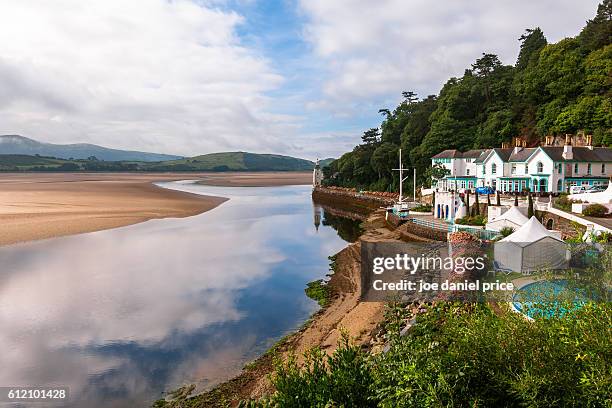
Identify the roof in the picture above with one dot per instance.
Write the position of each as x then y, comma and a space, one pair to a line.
513, 215
448, 154
522, 155
530, 232
504, 154
580, 154
472, 154
456, 154
482, 156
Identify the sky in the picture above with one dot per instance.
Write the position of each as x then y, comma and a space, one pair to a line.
297, 77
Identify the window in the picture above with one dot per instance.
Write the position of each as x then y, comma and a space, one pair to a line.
559, 186
514, 169
540, 167
468, 172
589, 169
560, 168
526, 169
603, 168
470, 184
494, 168
576, 168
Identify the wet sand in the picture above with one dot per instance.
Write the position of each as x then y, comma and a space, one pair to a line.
38, 206
257, 179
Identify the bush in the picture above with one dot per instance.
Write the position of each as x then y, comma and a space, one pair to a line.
422, 208
563, 203
595, 210
504, 232
474, 220
318, 290
462, 355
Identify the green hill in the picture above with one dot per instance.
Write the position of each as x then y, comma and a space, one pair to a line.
229, 161
234, 161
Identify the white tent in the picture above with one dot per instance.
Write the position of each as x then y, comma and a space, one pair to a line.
512, 218
532, 247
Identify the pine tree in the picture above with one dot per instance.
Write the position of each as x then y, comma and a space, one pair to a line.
476, 206
530, 208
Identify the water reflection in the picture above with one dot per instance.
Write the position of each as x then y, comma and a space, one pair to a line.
121, 315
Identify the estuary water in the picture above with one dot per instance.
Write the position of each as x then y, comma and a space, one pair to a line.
119, 316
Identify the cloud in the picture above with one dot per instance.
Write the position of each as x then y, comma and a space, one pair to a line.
168, 76
376, 49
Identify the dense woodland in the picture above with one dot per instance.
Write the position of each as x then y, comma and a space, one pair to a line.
557, 88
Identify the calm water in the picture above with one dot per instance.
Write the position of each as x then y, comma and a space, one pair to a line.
121, 315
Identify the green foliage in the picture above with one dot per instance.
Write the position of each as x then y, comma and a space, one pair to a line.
557, 88
319, 291
472, 220
461, 355
504, 232
422, 208
340, 380
595, 210
563, 202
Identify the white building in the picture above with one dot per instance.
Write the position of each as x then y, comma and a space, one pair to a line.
546, 168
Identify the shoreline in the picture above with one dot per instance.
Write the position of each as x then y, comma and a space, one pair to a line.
36, 206
344, 312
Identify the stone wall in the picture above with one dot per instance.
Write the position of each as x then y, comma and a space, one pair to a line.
569, 229
349, 197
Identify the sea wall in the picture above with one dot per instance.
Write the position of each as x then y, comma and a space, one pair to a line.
351, 197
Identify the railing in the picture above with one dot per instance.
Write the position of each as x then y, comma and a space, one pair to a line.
481, 233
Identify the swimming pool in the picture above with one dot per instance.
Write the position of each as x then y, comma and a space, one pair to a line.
549, 298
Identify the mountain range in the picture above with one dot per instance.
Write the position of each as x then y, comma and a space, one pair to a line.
18, 153
15, 144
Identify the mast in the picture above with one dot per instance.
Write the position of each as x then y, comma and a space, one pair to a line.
402, 178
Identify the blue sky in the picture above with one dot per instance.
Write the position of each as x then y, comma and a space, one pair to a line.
297, 77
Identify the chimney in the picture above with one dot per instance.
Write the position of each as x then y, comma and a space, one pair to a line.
504, 145
518, 145
589, 142
567, 149
549, 140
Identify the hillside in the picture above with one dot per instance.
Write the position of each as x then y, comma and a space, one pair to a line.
214, 162
551, 89
15, 144
235, 161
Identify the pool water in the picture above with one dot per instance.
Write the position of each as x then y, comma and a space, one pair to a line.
549, 298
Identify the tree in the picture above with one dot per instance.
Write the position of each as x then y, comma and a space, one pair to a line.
371, 136
530, 211
476, 205
467, 202
498, 199
598, 31
410, 97
532, 41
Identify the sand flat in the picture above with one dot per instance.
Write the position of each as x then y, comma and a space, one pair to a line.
38, 205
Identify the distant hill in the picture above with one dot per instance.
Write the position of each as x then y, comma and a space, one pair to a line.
15, 144
218, 162
234, 161
326, 162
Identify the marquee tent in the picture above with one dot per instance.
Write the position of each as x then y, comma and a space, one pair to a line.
512, 218
532, 247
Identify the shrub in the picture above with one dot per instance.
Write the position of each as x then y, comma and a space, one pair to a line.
504, 232
595, 210
422, 208
563, 203
474, 220
318, 290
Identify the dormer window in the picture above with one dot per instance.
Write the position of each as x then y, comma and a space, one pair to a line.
494, 168
526, 168
513, 169
576, 168
540, 167
560, 168
603, 168
589, 169
468, 172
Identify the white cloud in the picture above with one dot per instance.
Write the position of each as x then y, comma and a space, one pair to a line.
376, 49
166, 76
